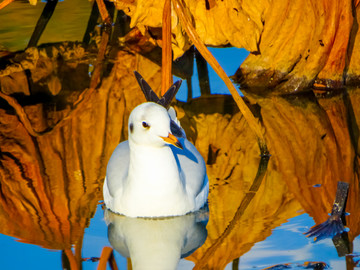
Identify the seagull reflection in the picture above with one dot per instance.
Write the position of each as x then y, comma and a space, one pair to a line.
157, 243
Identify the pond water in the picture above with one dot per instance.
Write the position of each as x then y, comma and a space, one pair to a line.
62, 114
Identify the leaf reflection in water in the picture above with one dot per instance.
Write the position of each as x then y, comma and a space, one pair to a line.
313, 140
50, 182
157, 243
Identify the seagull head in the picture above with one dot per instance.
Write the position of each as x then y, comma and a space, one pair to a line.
149, 124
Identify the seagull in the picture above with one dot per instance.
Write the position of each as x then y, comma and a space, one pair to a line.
157, 172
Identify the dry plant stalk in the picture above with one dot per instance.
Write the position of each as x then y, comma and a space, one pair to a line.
166, 75
21, 114
95, 77
72, 260
194, 37
5, 3
107, 255
103, 11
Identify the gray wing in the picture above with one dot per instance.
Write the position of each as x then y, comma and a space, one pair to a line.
192, 167
117, 168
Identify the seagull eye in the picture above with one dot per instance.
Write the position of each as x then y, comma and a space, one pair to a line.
145, 125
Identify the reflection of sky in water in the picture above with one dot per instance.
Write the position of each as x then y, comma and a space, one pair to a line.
15, 255
287, 244
230, 60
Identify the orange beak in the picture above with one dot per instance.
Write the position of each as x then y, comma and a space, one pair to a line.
171, 139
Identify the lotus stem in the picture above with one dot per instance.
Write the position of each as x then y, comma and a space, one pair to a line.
166, 75
200, 46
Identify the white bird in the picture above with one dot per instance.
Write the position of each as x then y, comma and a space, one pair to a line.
155, 173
